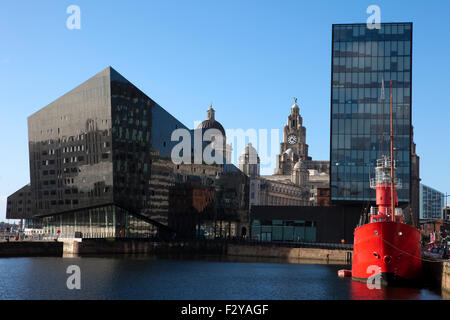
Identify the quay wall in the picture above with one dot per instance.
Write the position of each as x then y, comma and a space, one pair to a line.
446, 278
31, 249
128, 246
139, 246
124, 246
332, 255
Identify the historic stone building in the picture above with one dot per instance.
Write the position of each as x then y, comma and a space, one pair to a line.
220, 147
297, 177
278, 190
294, 147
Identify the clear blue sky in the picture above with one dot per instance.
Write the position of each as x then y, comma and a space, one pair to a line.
248, 57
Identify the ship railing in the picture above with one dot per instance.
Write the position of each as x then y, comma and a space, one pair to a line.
376, 183
384, 162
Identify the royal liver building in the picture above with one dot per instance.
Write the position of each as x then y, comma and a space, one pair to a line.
293, 148
297, 177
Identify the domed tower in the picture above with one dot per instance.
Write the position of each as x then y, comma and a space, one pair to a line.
300, 174
249, 161
294, 138
211, 123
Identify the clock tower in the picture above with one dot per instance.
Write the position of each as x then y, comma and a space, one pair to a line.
294, 147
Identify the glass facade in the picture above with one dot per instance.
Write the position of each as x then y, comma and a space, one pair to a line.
106, 145
284, 230
20, 204
131, 137
102, 222
431, 203
70, 149
361, 60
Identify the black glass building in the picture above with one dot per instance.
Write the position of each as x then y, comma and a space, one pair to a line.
91, 153
362, 59
101, 166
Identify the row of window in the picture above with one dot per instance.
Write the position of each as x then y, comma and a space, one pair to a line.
372, 95
371, 48
73, 148
64, 202
360, 65
376, 111
343, 79
284, 190
399, 32
73, 159
364, 143
65, 139
93, 193
279, 201
362, 129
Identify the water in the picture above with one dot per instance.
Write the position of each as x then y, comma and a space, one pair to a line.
145, 277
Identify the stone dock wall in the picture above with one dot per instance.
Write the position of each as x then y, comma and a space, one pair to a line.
330, 255
139, 246
31, 249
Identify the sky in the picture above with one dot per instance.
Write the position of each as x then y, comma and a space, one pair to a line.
250, 58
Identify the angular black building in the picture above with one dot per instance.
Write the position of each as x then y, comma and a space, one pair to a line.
362, 60
101, 166
20, 204
91, 154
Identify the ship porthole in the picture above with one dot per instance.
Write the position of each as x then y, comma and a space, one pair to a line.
387, 259
376, 255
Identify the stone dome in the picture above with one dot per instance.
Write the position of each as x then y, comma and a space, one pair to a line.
210, 122
249, 150
300, 165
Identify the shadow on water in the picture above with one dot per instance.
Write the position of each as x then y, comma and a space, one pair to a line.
216, 258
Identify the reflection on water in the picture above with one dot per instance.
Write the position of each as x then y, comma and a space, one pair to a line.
206, 277
360, 291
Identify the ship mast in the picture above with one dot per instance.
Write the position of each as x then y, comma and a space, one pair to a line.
392, 159
382, 118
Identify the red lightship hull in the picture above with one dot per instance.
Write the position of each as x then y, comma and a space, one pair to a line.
390, 249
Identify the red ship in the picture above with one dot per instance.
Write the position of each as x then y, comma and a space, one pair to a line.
386, 247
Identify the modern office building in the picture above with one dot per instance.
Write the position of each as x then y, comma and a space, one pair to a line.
20, 204
91, 152
431, 203
363, 62
101, 166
